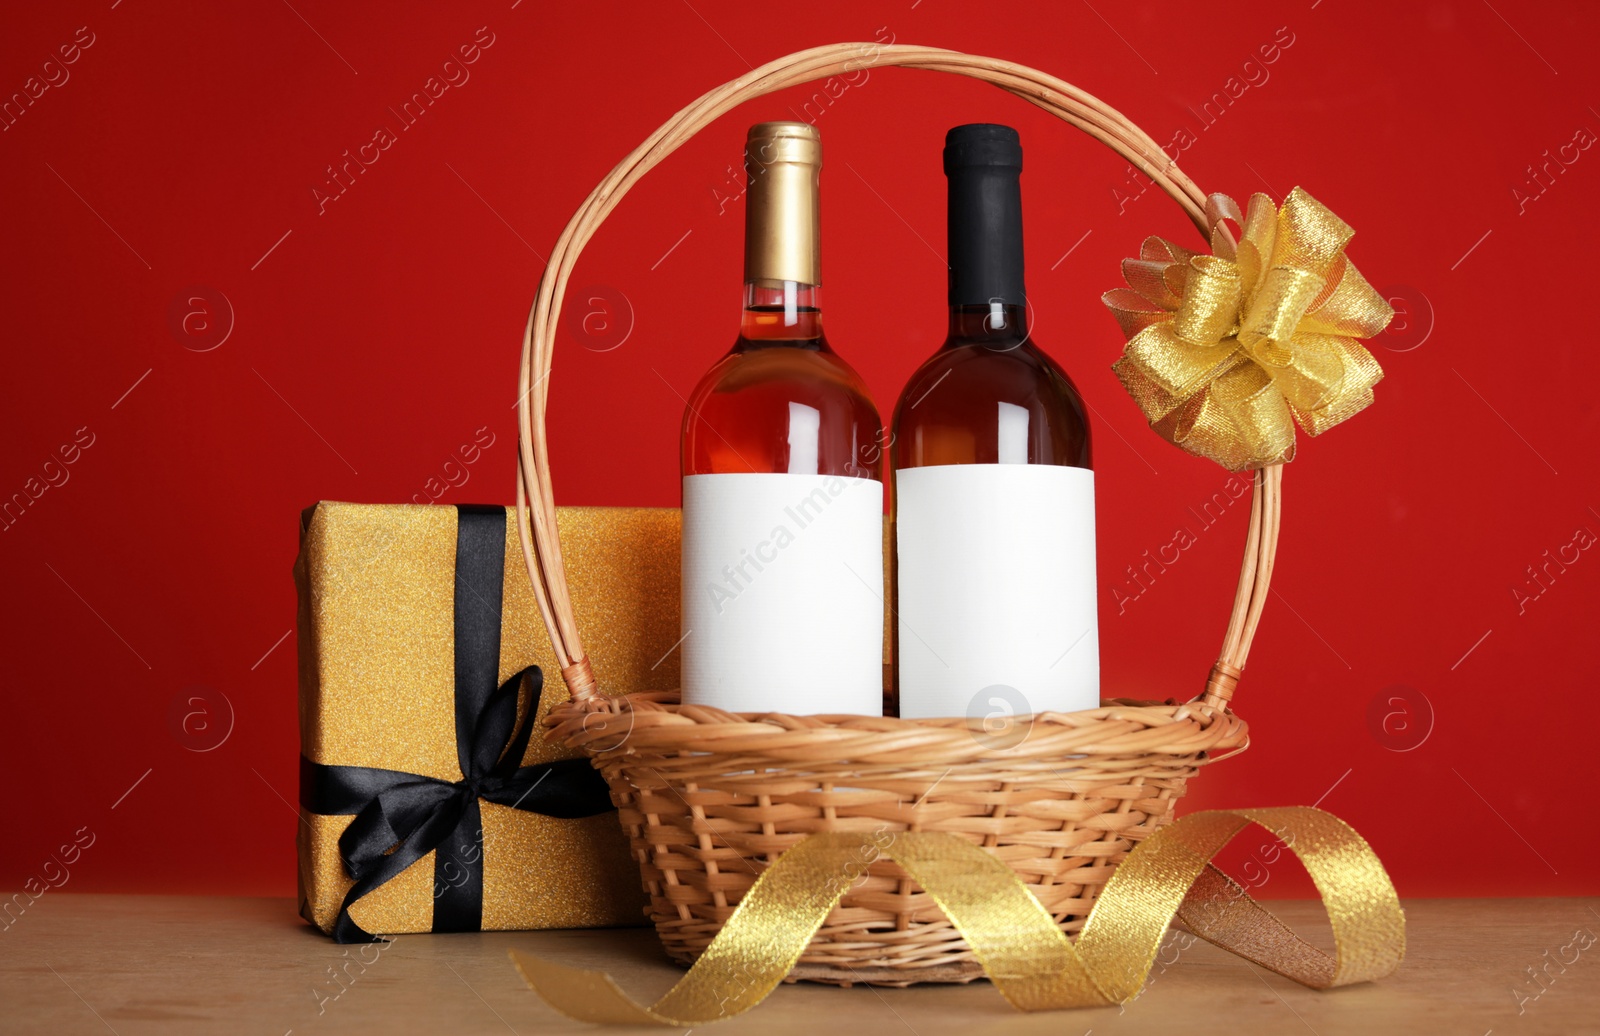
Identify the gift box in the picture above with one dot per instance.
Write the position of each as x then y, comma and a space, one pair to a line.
430, 799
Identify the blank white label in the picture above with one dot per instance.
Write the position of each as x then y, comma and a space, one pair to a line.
783, 593
996, 593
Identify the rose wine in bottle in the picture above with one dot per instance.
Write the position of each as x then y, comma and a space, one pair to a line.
994, 493
782, 484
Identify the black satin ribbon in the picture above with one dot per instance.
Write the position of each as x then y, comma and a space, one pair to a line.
401, 817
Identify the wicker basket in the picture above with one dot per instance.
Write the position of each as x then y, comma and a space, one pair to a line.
709, 798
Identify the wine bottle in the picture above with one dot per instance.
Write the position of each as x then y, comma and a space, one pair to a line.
994, 491
782, 478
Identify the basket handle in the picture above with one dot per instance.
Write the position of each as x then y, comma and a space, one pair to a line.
536, 512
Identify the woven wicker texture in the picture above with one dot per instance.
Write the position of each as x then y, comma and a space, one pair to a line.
709, 798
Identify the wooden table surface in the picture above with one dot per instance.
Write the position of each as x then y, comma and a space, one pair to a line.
168, 964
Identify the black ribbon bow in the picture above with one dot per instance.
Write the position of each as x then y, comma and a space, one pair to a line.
401, 817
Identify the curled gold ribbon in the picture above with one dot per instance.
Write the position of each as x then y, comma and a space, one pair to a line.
1023, 952
1227, 352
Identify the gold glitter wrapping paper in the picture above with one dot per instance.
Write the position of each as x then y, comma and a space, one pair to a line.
376, 640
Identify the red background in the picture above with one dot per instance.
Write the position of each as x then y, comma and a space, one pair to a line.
375, 338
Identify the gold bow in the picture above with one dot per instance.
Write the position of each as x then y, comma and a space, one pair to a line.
1226, 352
1016, 940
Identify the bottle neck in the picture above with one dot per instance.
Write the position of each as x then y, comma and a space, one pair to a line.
781, 268
985, 236
781, 313
998, 326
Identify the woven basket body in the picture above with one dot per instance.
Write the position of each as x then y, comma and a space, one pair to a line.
710, 799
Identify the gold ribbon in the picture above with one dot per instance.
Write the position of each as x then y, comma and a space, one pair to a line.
1227, 352
1023, 952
